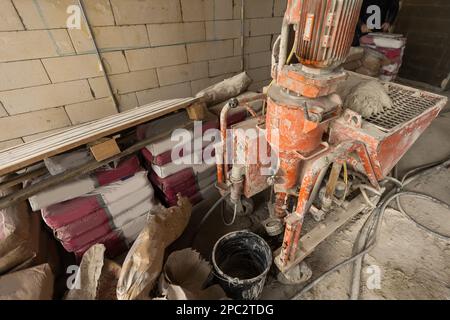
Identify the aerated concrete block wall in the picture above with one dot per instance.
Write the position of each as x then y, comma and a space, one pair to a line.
50, 77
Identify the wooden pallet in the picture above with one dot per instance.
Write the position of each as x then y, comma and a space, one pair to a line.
19, 157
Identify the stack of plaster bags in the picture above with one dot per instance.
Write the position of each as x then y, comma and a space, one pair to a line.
183, 160
143, 275
108, 206
112, 207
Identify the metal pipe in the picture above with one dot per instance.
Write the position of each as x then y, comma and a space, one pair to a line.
237, 184
250, 110
316, 188
97, 52
221, 163
283, 44
245, 100
242, 35
222, 166
334, 176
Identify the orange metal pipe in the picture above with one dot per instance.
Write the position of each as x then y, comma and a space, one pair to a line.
222, 166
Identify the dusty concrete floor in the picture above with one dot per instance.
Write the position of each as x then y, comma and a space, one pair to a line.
413, 263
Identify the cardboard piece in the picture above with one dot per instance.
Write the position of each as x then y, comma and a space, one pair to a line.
184, 277
105, 149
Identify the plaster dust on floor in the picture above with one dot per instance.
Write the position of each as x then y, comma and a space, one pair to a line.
413, 264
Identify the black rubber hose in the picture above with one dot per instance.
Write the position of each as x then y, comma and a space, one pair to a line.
373, 223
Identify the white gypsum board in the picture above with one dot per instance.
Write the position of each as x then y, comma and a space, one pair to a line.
16, 158
70, 133
55, 140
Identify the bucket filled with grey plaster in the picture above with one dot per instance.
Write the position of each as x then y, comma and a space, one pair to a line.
241, 261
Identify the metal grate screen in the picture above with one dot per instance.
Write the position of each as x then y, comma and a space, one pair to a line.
408, 104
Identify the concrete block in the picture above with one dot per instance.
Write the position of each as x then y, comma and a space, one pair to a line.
99, 13
257, 60
3, 112
258, 8
90, 110
121, 37
84, 66
209, 50
224, 29
199, 85
73, 68
259, 74
181, 90
175, 33
10, 143
263, 26
22, 74
115, 62
146, 11
237, 46
253, 44
205, 10
41, 135
9, 19
27, 45
224, 66
51, 14
47, 96
127, 101
223, 9
110, 38
33, 122
196, 10
237, 9
257, 86
182, 73
81, 40
148, 58
253, 9
134, 81
279, 8
99, 87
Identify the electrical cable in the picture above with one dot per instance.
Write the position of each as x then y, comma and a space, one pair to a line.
419, 171
379, 213
211, 210
229, 224
414, 173
372, 227
421, 226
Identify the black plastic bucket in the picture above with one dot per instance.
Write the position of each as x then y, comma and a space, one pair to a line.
241, 262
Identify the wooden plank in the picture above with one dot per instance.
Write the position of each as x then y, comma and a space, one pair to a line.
21, 178
105, 149
73, 173
197, 111
323, 230
16, 158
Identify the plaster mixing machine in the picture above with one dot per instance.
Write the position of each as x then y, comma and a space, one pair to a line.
316, 141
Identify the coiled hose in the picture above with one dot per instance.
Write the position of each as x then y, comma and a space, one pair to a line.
369, 233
